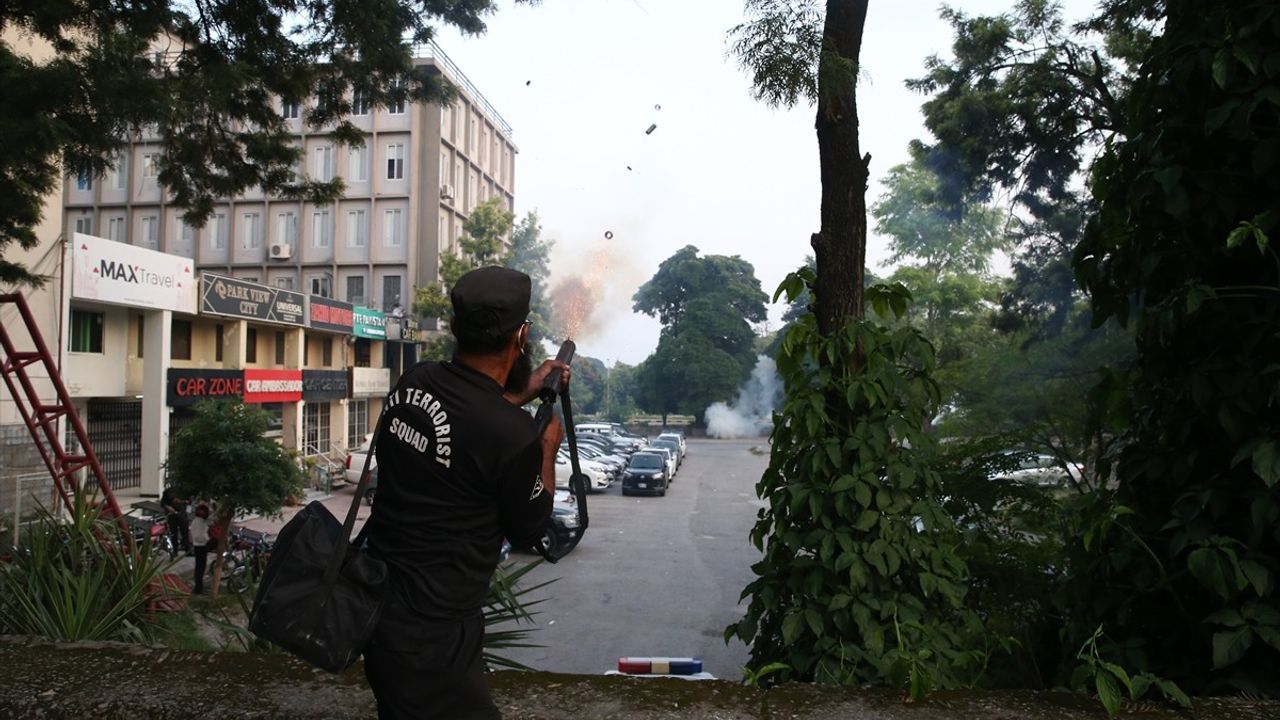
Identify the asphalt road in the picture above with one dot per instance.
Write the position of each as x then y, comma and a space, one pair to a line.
656, 575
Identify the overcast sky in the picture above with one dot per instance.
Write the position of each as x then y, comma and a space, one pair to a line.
581, 80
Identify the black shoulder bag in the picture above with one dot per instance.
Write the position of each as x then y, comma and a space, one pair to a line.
320, 597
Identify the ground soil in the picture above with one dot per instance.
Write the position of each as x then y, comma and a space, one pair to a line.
56, 681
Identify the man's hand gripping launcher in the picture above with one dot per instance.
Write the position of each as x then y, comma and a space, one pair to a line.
553, 386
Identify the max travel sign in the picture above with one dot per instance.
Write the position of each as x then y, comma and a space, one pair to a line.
121, 274
221, 295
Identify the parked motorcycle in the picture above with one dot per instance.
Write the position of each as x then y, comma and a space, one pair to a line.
246, 558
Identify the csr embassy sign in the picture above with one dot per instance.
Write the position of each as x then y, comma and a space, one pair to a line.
227, 296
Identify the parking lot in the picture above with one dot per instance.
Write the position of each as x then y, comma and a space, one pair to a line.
656, 575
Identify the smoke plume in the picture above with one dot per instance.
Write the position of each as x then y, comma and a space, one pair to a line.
751, 415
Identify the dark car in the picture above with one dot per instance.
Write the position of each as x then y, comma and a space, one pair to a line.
561, 535
672, 445
645, 475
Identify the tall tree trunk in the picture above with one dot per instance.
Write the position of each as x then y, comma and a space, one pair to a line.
840, 246
224, 523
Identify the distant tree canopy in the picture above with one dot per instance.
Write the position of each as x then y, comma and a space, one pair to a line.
706, 348
208, 78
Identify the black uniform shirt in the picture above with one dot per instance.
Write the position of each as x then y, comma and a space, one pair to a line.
459, 468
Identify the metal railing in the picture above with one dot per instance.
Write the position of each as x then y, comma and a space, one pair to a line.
329, 465
431, 51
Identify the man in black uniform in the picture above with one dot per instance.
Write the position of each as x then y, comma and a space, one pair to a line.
460, 466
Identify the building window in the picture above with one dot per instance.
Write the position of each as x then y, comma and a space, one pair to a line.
363, 352
218, 233
118, 171
320, 286
180, 343
324, 163
358, 162
115, 229
326, 352
360, 103
251, 345
321, 230
252, 231
285, 282
86, 331
280, 347
357, 423
396, 107
84, 180
84, 224
290, 110
217, 343
357, 228
287, 228
395, 161
355, 290
142, 335
186, 234
315, 428
392, 228
151, 232
390, 292
150, 165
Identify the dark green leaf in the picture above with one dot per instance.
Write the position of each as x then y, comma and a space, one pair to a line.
1231, 645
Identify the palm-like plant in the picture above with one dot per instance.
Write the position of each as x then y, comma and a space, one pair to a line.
79, 579
506, 604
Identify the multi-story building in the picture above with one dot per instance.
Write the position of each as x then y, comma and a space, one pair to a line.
134, 364
409, 187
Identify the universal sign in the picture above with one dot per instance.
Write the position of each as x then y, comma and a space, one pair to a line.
120, 274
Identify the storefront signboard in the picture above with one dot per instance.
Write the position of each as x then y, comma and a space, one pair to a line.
220, 295
122, 274
370, 382
403, 329
370, 324
188, 387
329, 314
272, 386
320, 385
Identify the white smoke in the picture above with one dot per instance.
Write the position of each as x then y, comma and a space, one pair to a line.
752, 414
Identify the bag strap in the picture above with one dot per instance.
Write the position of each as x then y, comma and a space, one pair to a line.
344, 541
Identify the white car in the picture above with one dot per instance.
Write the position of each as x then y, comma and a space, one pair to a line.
597, 474
355, 461
1045, 471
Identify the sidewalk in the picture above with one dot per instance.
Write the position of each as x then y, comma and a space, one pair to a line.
338, 502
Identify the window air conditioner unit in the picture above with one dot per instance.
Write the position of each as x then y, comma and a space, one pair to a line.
281, 251
446, 192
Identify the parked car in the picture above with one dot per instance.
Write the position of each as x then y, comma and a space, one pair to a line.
670, 456
646, 474
1045, 471
672, 445
355, 461
615, 463
678, 438
561, 534
597, 474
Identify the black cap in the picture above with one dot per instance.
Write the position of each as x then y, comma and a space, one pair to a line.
490, 302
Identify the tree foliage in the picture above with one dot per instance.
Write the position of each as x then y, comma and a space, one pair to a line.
223, 456
706, 348
530, 253
1181, 247
859, 582
206, 77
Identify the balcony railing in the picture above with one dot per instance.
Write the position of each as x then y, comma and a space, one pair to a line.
431, 51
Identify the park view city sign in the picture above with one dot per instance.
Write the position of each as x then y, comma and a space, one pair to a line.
221, 295
121, 274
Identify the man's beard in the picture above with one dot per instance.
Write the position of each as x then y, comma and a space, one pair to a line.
521, 371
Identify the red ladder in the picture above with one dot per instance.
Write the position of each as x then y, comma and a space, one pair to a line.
41, 417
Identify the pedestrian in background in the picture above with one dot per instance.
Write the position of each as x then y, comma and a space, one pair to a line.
202, 543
